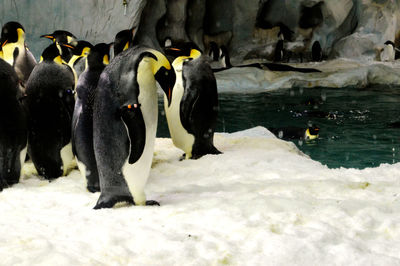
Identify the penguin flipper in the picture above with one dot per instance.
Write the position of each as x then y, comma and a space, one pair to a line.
132, 117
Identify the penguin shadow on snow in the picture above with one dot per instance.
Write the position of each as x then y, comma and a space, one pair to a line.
192, 113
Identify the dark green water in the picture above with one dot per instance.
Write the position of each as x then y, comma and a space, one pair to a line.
358, 136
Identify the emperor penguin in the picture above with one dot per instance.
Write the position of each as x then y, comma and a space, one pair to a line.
82, 121
192, 113
79, 55
15, 51
388, 52
123, 40
66, 38
13, 128
50, 103
124, 123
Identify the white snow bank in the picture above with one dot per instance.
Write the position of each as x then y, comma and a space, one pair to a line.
262, 202
335, 74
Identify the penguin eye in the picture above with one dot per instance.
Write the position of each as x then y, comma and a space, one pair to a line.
166, 73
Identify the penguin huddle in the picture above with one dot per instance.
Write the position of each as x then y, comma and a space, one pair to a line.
79, 105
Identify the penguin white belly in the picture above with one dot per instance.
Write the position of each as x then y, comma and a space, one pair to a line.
180, 137
136, 174
22, 157
67, 158
387, 53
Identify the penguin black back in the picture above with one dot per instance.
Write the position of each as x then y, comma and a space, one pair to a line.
123, 40
13, 130
50, 102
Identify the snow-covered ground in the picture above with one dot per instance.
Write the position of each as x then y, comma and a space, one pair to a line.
336, 73
262, 202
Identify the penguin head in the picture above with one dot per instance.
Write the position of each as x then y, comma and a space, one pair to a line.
12, 32
52, 54
99, 56
62, 37
82, 49
389, 43
163, 72
182, 48
123, 40
312, 133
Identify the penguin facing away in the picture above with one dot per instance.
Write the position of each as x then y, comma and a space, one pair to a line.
192, 114
15, 51
124, 123
50, 103
13, 129
123, 40
388, 52
82, 122
316, 52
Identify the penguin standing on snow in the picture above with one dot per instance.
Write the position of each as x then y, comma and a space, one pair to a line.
13, 131
388, 52
82, 122
15, 51
192, 113
50, 103
125, 121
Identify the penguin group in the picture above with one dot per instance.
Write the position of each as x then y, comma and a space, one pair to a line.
94, 107
80, 106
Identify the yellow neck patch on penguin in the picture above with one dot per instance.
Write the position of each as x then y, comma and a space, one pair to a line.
309, 136
161, 61
194, 53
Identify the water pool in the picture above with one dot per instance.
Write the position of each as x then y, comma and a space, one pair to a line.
358, 133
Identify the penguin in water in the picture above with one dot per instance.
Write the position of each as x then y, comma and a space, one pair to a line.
225, 61
82, 122
125, 121
192, 113
388, 52
79, 54
63, 37
123, 40
316, 52
15, 51
50, 103
13, 129
291, 133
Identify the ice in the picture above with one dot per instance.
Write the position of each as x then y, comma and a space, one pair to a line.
261, 202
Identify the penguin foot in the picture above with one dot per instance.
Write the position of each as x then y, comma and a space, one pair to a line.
182, 157
110, 201
152, 203
93, 186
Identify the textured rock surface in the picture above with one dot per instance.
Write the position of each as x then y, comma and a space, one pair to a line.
345, 28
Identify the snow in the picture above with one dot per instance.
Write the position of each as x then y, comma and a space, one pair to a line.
336, 73
262, 202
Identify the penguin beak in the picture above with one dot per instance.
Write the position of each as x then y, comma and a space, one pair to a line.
68, 46
48, 37
4, 43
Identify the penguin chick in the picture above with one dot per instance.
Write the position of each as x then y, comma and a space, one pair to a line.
15, 51
50, 103
192, 113
123, 40
82, 121
125, 114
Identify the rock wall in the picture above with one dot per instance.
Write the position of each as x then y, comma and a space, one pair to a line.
249, 28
